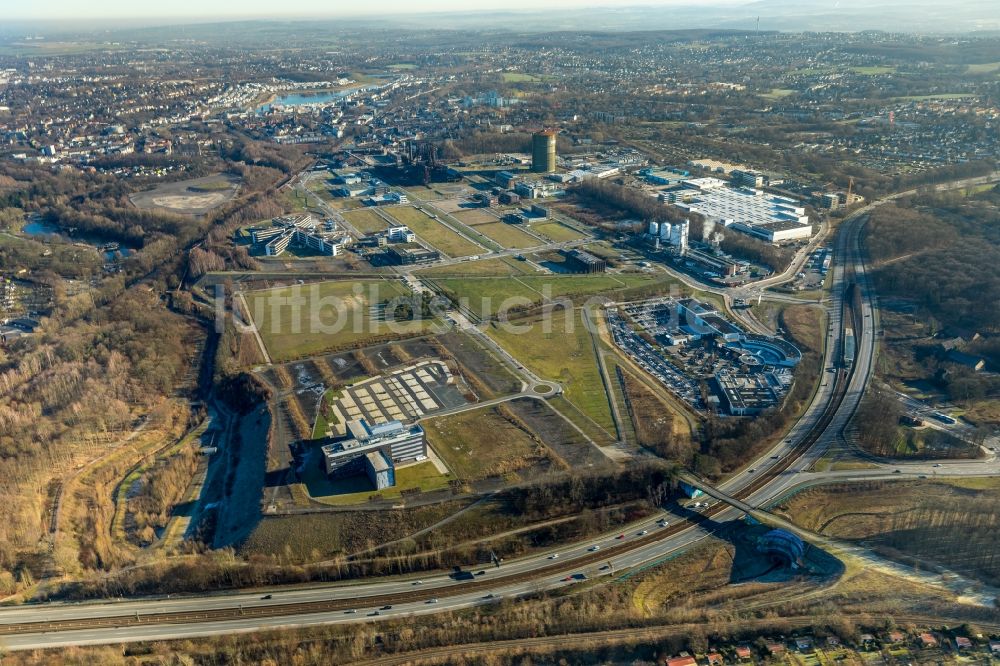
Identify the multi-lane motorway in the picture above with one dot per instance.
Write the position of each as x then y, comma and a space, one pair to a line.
776, 473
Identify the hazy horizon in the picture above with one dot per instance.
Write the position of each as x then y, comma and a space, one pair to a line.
57, 10
928, 16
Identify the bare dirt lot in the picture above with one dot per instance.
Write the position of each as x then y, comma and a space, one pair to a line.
493, 377
189, 197
558, 435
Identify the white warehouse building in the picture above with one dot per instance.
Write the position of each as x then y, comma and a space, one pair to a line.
769, 217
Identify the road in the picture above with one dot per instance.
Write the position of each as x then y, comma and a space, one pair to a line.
643, 543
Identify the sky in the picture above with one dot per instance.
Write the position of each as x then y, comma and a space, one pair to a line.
129, 9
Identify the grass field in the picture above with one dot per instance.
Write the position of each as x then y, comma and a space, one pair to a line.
483, 267
220, 185
474, 216
778, 93
321, 187
983, 68
323, 415
358, 489
556, 231
508, 235
433, 232
316, 536
806, 324
304, 320
564, 353
467, 443
941, 96
934, 521
293, 201
486, 296
520, 77
366, 221
874, 70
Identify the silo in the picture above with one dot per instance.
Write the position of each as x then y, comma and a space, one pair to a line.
665, 232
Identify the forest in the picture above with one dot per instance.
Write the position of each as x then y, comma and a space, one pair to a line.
941, 251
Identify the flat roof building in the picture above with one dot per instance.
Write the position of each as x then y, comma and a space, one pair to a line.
584, 262
410, 253
770, 217
394, 442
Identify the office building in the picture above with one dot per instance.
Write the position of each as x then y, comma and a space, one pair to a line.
747, 178
400, 234
407, 254
300, 230
584, 262
392, 443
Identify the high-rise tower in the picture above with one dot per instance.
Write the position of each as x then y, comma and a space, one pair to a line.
543, 151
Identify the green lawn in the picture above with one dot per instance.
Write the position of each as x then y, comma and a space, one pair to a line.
487, 296
563, 353
483, 267
433, 232
304, 320
467, 443
983, 68
520, 77
320, 187
322, 422
874, 70
556, 231
943, 96
358, 489
365, 220
508, 235
293, 201
779, 93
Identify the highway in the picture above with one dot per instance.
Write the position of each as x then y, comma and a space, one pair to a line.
777, 472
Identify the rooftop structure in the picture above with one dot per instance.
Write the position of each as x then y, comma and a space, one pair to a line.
394, 441
584, 262
412, 253
748, 394
299, 230
767, 216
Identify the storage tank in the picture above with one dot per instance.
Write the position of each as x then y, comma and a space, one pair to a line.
654, 228
679, 236
665, 232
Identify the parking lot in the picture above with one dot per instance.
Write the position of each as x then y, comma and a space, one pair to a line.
653, 361
405, 395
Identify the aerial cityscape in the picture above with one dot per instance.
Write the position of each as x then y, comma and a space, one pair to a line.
486, 333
